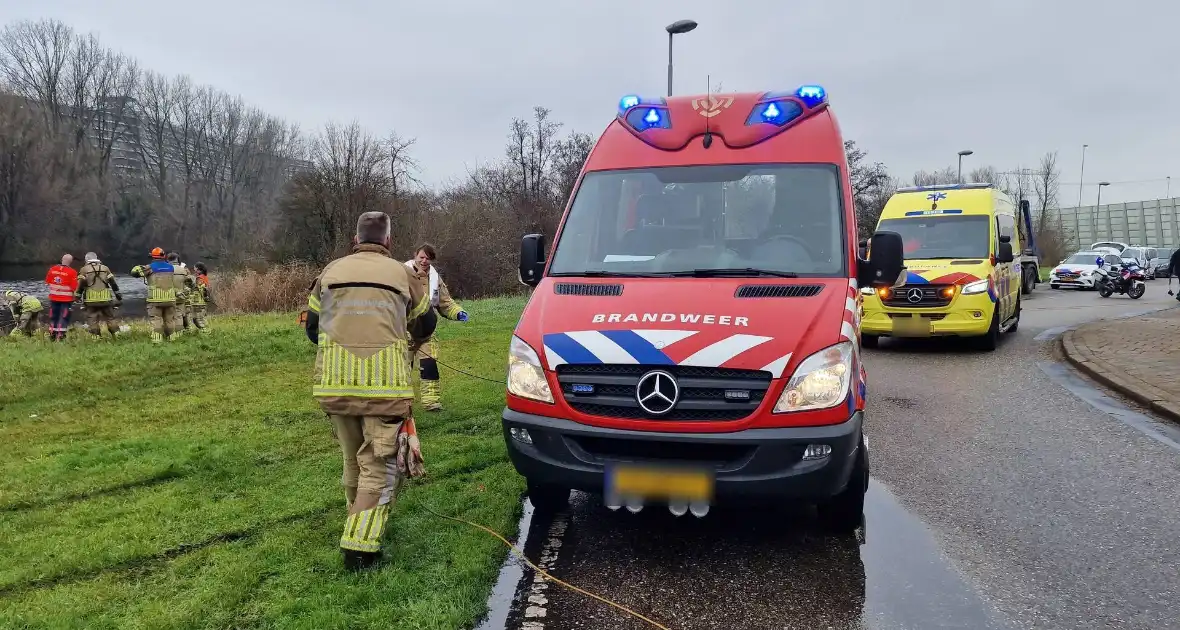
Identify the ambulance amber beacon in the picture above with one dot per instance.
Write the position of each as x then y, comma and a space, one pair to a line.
693, 339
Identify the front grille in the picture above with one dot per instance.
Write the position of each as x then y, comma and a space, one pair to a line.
778, 290
931, 316
583, 288
702, 391
931, 296
720, 455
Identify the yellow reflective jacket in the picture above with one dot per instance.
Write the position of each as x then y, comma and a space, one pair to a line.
183, 281
358, 309
158, 278
96, 284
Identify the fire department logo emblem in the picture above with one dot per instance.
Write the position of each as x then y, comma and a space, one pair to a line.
712, 105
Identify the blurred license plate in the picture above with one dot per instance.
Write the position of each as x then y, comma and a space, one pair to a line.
652, 482
914, 326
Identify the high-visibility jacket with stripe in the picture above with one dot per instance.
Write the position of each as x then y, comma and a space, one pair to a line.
96, 284
63, 282
26, 304
182, 280
200, 293
158, 278
358, 309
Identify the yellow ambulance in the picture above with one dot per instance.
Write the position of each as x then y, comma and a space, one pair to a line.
961, 276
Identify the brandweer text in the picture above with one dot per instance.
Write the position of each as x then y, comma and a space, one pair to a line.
684, 318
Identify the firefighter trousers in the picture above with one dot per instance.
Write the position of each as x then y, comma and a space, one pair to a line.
196, 314
371, 477
26, 324
180, 318
426, 356
163, 318
98, 315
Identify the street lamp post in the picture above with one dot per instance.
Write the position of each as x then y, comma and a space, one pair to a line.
1098, 204
1082, 175
961, 154
676, 28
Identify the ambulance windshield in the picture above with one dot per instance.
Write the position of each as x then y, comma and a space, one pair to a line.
778, 219
941, 237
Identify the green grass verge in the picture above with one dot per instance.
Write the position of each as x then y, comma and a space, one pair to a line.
197, 485
1044, 273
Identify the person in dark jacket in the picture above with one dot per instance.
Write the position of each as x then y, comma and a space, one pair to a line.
1173, 269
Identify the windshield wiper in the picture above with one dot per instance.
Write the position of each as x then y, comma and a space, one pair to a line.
599, 273
744, 271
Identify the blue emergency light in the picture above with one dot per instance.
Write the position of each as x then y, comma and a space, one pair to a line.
627, 102
775, 113
812, 95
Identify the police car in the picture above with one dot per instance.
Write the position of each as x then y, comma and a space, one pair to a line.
1078, 271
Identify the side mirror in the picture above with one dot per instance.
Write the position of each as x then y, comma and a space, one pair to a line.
862, 249
532, 259
1004, 253
887, 264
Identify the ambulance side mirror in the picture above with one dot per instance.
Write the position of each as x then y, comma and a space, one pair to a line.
1004, 252
862, 249
532, 259
885, 267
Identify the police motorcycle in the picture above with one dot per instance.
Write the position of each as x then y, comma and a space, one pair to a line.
1116, 275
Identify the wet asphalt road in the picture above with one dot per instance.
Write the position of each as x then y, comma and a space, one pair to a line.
1005, 494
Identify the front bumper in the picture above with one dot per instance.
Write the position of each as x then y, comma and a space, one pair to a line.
755, 465
1080, 282
965, 316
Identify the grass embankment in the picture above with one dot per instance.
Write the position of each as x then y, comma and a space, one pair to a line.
197, 485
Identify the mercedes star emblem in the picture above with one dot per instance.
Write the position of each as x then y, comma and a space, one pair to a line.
914, 295
657, 392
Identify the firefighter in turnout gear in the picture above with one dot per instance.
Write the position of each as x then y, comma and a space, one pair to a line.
426, 351
25, 308
161, 299
99, 293
360, 313
199, 299
185, 284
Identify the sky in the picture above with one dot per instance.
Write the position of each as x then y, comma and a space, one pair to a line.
912, 82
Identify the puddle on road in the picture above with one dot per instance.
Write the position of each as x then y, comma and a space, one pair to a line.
511, 578
902, 579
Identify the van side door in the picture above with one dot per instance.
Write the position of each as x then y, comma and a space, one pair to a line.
1009, 274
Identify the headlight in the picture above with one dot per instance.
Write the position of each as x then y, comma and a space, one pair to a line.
979, 286
526, 377
821, 380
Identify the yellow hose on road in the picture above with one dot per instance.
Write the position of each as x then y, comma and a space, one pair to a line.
541, 571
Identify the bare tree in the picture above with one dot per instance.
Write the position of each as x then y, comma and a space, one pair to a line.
403, 168
35, 58
947, 175
871, 187
155, 104
1051, 235
984, 175
569, 156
